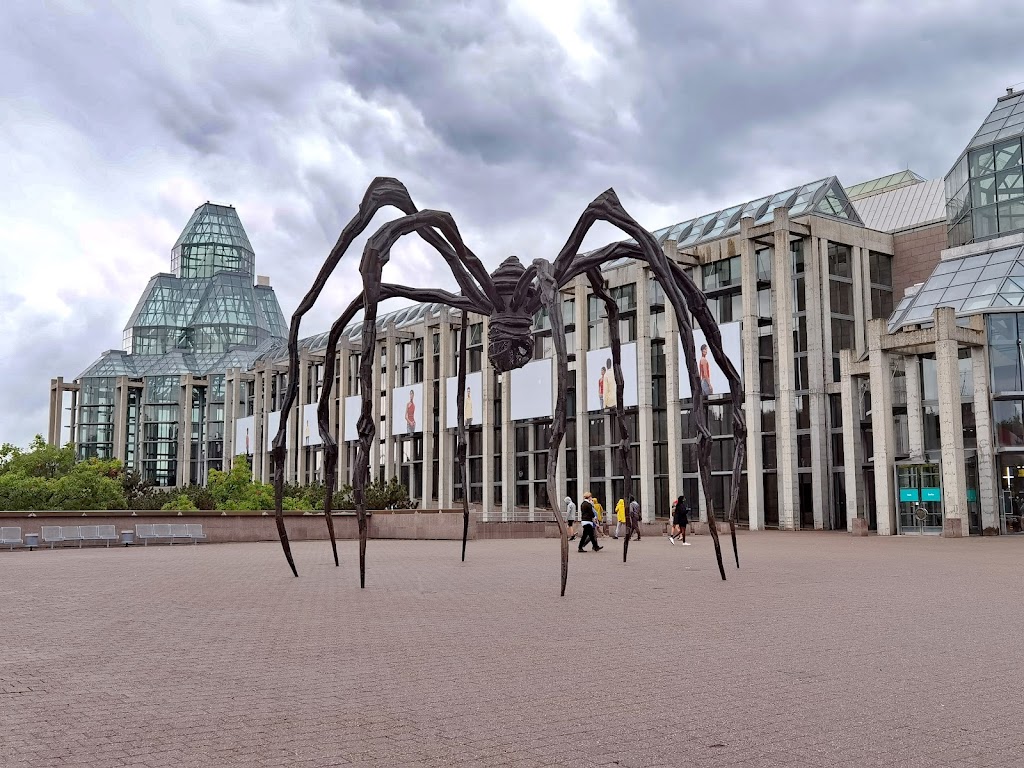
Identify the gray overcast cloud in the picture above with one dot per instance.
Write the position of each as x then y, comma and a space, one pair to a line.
118, 119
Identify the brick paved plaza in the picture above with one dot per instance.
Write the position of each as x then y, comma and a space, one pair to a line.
825, 650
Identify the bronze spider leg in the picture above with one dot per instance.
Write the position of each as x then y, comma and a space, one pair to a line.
619, 416
375, 255
702, 314
382, 192
460, 449
549, 297
607, 207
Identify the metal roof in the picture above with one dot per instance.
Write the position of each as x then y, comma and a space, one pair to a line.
905, 207
883, 184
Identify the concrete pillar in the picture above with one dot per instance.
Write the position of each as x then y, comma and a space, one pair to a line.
819, 344
445, 456
487, 430
988, 498
853, 455
861, 295
508, 451
121, 419
56, 406
230, 409
185, 433
883, 433
751, 378
379, 401
954, 470
915, 422
297, 417
582, 417
645, 400
429, 378
389, 381
783, 306
73, 416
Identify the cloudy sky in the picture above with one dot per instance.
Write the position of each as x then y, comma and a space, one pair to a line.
118, 119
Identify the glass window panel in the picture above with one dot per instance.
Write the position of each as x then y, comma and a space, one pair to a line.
1007, 154
1010, 183
946, 266
929, 297
981, 162
983, 190
938, 281
1008, 254
957, 292
965, 276
980, 302
1008, 131
1011, 216
1008, 416
995, 270
985, 287
986, 221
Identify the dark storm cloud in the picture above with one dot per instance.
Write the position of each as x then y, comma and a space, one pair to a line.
120, 118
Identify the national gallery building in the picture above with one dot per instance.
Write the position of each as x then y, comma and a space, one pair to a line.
877, 327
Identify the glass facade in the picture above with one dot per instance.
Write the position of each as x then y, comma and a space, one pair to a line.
985, 188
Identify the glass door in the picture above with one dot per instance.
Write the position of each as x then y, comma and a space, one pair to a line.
919, 498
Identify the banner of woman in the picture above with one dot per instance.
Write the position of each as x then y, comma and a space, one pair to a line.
712, 380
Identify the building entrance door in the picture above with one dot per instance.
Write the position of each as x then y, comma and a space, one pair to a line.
919, 498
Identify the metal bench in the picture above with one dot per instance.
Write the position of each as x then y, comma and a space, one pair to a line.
10, 536
72, 533
172, 531
104, 533
52, 535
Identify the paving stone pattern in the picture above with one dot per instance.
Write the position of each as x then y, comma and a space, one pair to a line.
825, 650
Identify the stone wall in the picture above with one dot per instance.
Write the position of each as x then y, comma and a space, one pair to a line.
915, 255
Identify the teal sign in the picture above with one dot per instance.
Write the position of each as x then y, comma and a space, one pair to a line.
931, 494
972, 495
909, 494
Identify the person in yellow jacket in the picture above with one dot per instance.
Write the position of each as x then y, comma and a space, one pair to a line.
620, 516
599, 513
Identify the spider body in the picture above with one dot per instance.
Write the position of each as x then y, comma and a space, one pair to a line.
509, 297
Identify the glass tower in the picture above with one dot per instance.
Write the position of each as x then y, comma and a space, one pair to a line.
203, 317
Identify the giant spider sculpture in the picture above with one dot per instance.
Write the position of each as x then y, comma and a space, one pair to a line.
509, 297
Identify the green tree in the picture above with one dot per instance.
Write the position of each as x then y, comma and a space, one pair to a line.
182, 503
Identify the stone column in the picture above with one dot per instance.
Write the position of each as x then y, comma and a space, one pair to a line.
487, 429
508, 451
861, 295
382, 426
582, 416
445, 454
53, 429
988, 498
121, 419
230, 409
785, 413
645, 403
390, 380
429, 378
751, 374
882, 431
819, 328
185, 433
954, 470
915, 424
306, 395
853, 459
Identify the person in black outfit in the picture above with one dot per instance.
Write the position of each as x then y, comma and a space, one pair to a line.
588, 517
680, 519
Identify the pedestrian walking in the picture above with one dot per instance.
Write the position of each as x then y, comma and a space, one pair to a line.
587, 519
598, 517
633, 518
570, 517
680, 519
620, 517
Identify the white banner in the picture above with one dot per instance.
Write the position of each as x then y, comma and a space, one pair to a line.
532, 391
601, 384
310, 430
474, 412
245, 435
713, 380
353, 407
273, 423
407, 410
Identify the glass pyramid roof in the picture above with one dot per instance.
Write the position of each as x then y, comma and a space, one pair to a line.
212, 242
824, 196
883, 184
971, 284
1004, 121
